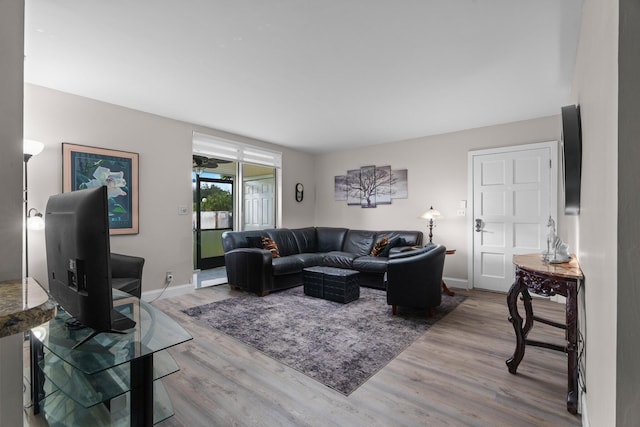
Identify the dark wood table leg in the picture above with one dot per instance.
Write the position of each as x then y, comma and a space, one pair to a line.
446, 290
572, 347
519, 288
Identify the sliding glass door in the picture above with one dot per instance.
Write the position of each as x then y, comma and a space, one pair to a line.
235, 187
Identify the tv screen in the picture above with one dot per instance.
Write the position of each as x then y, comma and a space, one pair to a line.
79, 259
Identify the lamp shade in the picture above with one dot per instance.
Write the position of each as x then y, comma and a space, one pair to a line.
431, 214
35, 221
32, 147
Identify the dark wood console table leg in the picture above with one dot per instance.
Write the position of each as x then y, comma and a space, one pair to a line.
518, 288
572, 346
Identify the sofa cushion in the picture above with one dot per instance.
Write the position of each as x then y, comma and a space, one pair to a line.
284, 239
310, 259
370, 264
271, 246
339, 259
330, 239
306, 238
286, 265
359, 242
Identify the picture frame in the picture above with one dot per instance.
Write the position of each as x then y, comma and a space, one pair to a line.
87, 167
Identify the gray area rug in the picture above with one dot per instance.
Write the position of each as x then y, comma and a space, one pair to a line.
340, 345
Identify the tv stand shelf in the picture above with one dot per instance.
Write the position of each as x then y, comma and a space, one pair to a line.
112, 379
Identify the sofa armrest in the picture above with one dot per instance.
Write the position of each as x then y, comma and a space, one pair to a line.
250, 269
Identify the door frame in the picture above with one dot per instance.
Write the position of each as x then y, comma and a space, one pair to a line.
553, 182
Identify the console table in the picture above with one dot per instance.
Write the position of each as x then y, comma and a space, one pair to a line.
112, 379
543, 278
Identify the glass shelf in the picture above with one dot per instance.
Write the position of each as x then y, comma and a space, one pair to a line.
49, 389
91, 385
89, 390
60, 411
154, 331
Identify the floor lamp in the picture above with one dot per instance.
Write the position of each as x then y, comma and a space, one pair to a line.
30, 149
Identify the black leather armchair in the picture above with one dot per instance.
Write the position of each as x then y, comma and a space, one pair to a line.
414, 280
126, 273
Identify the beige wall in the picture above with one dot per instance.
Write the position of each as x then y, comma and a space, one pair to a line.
164, 146
595, 88
628, 334
437, 175
11, 76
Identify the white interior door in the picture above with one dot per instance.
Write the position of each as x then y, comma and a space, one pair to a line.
514, 193
259, 204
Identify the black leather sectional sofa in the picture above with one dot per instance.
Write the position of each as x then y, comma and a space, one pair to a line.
251, 268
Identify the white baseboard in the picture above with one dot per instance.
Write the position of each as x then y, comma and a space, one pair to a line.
211, 282
456, 283
171, 291
583, 410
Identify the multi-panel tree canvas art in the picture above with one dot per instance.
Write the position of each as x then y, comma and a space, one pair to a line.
371, 186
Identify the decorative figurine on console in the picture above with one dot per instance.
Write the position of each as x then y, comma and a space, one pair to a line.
557, 251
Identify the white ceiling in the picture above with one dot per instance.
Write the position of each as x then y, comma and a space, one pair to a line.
317, 75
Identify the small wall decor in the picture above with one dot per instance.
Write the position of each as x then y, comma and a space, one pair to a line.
371, 186
299, 192
88, 167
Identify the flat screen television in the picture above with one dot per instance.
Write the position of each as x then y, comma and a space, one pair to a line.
79, 259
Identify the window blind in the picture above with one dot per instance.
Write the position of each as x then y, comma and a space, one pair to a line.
219, 148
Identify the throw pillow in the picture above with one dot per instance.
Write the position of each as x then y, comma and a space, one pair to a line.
271, 246
379, 246
392, 243
254, 242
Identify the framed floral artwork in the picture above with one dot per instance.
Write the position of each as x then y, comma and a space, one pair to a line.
88, 167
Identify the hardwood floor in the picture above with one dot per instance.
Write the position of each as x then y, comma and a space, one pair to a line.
454, 375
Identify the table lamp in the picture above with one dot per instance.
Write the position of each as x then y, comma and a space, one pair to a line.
431, 214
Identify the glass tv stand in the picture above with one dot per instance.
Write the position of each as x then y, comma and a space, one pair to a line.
111, 379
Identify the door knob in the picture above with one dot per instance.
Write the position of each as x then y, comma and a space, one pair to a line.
478, 225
